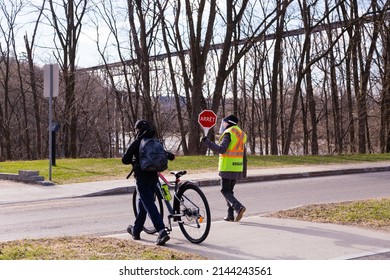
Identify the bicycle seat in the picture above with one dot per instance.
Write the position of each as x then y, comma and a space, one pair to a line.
178, 174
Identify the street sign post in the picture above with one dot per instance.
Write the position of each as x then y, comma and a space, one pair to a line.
207, 119
50, 90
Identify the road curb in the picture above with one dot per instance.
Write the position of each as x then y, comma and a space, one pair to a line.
114, 191
310, 174
258, 178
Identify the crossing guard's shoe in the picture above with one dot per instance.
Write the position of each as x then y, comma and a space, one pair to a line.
240, 213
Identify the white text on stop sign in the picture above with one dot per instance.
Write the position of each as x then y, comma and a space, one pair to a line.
207, 119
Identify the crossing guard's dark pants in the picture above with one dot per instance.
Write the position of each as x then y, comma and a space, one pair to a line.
228, 192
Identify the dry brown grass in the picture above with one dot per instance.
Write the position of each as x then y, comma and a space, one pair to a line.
87, 248
371, 214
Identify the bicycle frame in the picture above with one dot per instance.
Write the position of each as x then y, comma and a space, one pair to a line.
167, 203
189, 207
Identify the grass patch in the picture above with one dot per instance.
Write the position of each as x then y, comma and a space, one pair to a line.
370, 214
282, 161
97, 169
87, 248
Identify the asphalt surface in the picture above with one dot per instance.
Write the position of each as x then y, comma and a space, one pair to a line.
254, 237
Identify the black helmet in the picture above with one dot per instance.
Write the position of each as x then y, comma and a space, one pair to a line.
142, 125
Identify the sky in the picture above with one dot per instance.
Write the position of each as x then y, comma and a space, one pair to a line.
44, 42
88, 54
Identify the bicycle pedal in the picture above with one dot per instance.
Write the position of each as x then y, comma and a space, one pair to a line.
175, 217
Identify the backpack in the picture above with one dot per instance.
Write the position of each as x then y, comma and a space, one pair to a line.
152, 156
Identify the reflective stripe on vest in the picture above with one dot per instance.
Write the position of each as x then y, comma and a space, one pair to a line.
232, 159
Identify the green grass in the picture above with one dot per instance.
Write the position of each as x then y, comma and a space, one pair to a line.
372, 213
71, 170
279, 161
97, 169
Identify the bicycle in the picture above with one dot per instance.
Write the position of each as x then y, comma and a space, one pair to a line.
190, 208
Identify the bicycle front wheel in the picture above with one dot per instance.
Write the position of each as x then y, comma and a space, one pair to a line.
148, 226
194, 210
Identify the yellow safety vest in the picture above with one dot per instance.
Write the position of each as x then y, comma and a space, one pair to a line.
233, 159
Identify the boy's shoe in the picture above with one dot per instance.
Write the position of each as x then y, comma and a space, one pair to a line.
162, 238
229, 219
240, 213
130, 230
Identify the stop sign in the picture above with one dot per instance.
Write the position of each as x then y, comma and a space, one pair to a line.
207, 119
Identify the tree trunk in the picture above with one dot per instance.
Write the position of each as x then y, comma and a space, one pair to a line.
385, 96
274, 80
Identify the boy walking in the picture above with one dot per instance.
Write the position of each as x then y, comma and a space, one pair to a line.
146, 182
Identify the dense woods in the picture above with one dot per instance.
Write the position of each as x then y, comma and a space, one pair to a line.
303, 76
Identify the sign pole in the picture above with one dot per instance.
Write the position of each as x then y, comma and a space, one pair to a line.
50, 121
50, 90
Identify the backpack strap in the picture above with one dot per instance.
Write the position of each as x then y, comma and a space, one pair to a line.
128, 176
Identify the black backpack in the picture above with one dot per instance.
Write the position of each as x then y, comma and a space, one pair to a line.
152, 156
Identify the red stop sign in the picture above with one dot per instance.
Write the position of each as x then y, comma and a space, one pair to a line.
207, 119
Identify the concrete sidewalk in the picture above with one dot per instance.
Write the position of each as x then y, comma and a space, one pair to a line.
254, 237
264, 238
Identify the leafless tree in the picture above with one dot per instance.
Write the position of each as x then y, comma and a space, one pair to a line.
144, 22
67, 27
33, 81
9, 68
307, 76
385, 93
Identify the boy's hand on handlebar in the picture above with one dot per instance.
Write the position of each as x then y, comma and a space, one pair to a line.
171, 156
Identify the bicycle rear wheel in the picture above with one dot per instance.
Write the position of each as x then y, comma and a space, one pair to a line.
195, 220
148, 226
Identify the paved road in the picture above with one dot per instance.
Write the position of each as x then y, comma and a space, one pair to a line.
258, 237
